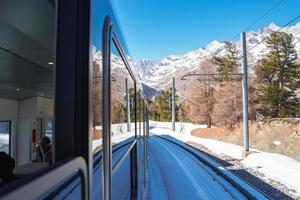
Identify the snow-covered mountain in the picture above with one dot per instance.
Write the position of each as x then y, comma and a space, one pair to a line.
158, 73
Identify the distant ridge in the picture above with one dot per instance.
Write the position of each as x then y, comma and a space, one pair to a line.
158, 73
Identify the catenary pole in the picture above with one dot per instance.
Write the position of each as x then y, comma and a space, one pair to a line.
245, 94
173, 105
127, 105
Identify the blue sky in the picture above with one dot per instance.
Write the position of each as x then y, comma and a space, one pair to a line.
154, 29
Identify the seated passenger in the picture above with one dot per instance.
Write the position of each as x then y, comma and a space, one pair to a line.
44, 149
6, 168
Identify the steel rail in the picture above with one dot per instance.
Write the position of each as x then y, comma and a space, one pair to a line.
189, 149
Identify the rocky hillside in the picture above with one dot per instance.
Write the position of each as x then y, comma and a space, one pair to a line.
273, 135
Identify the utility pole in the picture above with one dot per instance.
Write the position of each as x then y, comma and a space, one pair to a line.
128, 105
173, 105
245, 95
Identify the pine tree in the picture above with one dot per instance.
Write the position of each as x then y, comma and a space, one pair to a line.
227, 63
278, 75
228, 105
163, 104
132, 104
160, 109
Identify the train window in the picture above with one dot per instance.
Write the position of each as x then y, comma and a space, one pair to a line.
26, 82
122, 99
123, 121
96, 59
97, 99
47, 128
140, 113
5, 132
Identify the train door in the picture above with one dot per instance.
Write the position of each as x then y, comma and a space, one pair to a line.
41, 130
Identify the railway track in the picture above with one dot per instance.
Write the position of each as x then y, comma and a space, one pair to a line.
218, 172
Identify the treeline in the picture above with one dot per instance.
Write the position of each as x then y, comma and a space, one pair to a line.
278, 78
217, 100
160, 108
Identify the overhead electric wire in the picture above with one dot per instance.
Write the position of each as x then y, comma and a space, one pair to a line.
288, 23
260, 18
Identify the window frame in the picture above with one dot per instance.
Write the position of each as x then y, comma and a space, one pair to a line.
71, 111
115, 41
110, 38
49, 181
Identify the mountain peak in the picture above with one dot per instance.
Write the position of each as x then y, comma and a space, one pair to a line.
158, 73
213, 44
273, 27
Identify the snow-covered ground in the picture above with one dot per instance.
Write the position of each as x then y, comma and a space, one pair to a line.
274, 166
4, 142
119, 134
181, 127
4, 138
278, 167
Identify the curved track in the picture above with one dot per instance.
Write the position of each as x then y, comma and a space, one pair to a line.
180, 174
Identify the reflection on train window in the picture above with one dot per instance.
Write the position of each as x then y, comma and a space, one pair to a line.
122, 99
97, 99
5, 127
47, 128
26, 82
140, 113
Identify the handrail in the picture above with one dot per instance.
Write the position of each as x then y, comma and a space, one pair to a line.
38, 185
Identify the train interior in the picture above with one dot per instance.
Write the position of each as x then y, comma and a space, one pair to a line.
26, 81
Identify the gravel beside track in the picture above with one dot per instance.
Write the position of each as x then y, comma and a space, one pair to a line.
273, 189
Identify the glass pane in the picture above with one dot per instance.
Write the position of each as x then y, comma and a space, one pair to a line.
48, 129
26, 82
98, 10
140, 114
5, 136
122, 100
97, 99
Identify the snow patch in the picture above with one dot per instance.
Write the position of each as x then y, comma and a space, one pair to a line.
274, 166
277, 167
276, 142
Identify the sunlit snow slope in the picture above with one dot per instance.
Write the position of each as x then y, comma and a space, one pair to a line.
158, 73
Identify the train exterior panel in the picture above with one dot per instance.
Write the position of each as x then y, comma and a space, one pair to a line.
76, 87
